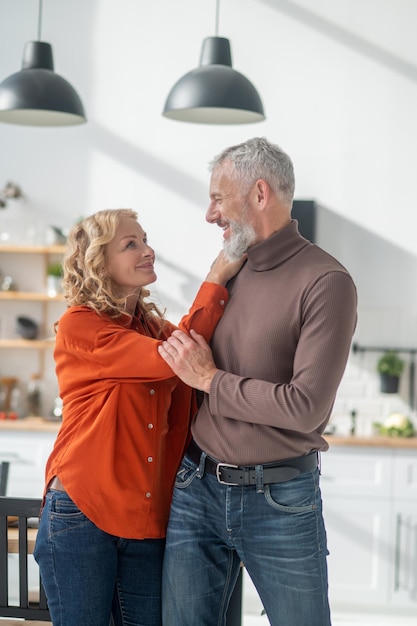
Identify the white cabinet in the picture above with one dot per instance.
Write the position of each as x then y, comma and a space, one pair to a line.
27, 453
403, 583
404, 572
370, 510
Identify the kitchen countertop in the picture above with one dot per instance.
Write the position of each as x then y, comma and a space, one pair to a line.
30, 424
376, 441
40, 424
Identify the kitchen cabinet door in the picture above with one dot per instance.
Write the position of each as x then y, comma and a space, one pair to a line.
356, 485
403, 579
358, 540
356, 473
405, 475
27, 453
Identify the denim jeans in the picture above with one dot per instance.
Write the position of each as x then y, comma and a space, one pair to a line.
279, 535
89, 575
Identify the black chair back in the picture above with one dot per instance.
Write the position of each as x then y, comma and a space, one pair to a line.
4, 476
14, 516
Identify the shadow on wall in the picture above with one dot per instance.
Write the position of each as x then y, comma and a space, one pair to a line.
384, 273
343, 36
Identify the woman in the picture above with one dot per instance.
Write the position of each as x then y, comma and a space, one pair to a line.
125, 425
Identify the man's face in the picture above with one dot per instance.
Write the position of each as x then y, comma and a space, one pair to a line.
231, 211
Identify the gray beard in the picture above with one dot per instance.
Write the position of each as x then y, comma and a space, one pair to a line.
242, 236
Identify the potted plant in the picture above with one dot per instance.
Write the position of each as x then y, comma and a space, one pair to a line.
53, 278
390, 367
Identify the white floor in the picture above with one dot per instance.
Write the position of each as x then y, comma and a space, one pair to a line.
343, 619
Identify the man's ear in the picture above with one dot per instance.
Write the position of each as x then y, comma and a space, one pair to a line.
261, 193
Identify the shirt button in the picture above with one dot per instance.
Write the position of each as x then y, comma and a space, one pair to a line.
221, 302
148, 494
152, 392
150, 426
150, 459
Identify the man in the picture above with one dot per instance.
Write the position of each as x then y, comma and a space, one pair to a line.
248, 489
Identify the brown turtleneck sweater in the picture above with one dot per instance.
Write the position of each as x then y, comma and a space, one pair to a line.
281, 347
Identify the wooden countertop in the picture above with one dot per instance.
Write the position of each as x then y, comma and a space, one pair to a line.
40, 424
30, 424
376, 441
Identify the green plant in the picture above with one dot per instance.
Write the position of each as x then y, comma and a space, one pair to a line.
54, 269
390, 363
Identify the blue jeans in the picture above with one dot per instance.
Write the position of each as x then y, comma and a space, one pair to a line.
279, 535
90, 575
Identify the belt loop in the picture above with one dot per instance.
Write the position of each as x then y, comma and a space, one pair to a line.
259, 475
201, 466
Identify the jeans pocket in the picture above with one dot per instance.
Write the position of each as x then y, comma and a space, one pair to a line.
295, 496
186, 474
63, 513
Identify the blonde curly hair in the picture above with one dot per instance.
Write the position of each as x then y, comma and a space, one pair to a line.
85, 280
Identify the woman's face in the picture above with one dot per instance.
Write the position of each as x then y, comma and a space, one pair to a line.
130, 260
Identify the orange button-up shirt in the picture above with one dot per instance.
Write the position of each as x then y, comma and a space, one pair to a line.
125, 416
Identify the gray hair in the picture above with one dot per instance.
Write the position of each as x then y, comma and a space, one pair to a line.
258, 158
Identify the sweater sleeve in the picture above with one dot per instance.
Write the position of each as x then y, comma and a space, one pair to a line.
320, 359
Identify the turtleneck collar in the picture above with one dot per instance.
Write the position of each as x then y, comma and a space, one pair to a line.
279, 247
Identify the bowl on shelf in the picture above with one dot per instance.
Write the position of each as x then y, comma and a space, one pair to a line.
26, 328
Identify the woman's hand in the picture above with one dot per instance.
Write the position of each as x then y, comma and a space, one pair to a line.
222, 269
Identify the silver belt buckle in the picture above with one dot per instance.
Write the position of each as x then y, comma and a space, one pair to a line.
218, 468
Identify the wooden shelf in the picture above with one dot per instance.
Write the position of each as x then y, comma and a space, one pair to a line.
31, 424
56, 249
29, 295
39, 344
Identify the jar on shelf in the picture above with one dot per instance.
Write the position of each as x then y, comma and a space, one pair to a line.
56, 413
34, 395
9, 398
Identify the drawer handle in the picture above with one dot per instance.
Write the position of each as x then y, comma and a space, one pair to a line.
397, 555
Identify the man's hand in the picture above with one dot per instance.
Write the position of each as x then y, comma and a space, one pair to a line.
190, 358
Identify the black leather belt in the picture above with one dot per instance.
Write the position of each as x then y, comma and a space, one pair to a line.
278, 472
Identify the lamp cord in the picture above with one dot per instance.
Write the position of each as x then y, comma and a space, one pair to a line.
40, 21
217, 17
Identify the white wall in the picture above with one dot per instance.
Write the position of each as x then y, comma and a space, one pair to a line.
339, 83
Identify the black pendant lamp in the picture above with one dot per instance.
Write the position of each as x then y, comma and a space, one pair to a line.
214, 93
37, 96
